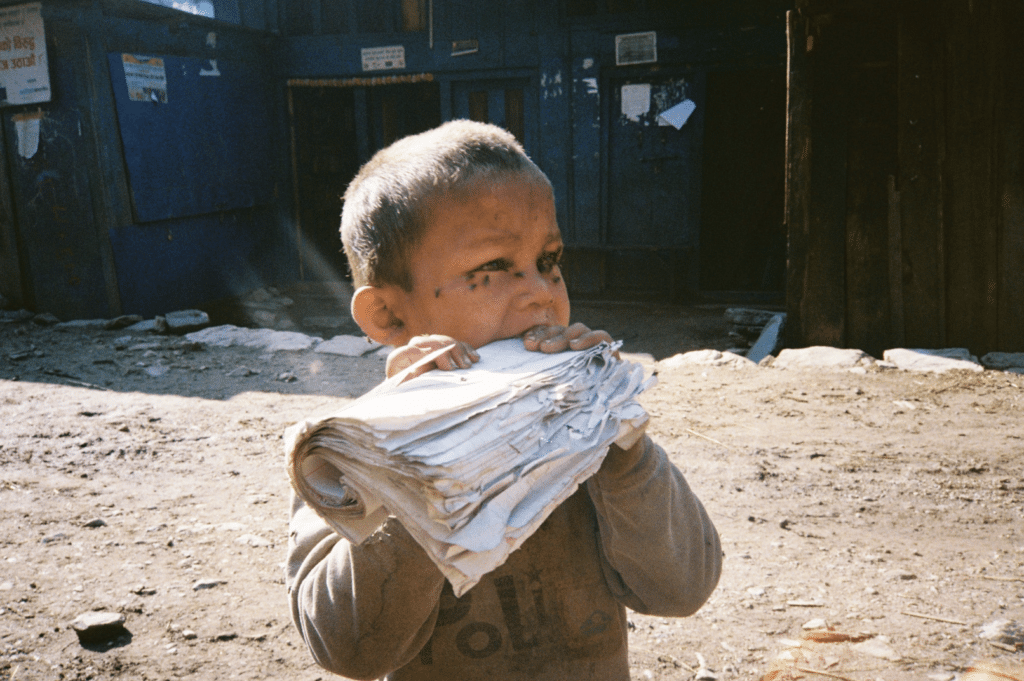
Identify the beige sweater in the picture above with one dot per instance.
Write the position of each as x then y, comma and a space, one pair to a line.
633, 536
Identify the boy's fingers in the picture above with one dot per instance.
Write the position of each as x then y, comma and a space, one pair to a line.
589, 339
446, 362
576, 330
539, 335
552, 339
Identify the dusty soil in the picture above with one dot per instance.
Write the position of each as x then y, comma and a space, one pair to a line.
887, 504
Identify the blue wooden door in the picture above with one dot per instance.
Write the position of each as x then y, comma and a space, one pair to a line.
508, 102
652, 185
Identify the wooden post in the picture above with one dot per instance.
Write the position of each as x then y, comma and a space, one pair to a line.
798, 163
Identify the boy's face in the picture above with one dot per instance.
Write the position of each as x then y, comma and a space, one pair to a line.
487, 266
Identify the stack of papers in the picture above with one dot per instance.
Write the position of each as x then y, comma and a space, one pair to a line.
470, 461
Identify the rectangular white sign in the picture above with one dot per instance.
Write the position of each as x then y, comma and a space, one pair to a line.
24, 75
383, 58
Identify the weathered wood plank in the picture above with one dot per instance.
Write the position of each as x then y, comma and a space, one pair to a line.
1010, 121
972, 229
823, 298
798, 153
920, 180
871, 161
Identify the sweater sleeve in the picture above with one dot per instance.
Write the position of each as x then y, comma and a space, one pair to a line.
662, 552
363, 610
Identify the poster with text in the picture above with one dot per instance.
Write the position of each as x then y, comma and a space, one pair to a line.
24, 76
146, 78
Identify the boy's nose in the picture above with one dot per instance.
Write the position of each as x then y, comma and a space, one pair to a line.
537, 287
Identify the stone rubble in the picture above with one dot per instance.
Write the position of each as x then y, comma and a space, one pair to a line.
761, 329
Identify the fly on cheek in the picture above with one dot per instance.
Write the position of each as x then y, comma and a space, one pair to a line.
502, 272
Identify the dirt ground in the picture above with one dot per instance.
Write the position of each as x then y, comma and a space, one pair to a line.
143, 474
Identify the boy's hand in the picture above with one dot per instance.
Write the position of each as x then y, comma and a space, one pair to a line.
459, 356
558, 338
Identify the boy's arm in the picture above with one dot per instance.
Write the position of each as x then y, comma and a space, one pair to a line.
662, 553
363, 610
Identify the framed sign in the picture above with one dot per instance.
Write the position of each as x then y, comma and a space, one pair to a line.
383, 58
24, 75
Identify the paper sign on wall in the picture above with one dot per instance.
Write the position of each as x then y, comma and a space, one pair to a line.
146, 78
636, 100
678, 114
383, 58
24, 75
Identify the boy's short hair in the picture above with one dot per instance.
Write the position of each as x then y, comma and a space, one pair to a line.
385, 206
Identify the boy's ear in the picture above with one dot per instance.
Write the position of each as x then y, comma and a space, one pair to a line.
373, 312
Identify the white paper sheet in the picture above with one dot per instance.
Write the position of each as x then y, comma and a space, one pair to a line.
677, 115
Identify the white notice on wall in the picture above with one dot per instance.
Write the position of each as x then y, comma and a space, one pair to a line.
146, 78
636, 100
24, 76
383, 58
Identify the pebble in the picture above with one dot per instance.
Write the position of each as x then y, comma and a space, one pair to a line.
816, 623
95, 522
157, 370
253, 540
98, 627
181, 321
207, 584
877, 647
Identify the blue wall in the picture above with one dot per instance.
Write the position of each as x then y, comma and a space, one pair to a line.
137, 207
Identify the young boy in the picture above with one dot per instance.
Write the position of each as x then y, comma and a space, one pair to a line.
452, 240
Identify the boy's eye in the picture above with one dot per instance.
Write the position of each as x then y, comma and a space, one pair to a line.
497, 265
549, 261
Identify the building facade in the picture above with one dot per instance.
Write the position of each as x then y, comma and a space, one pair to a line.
181, 158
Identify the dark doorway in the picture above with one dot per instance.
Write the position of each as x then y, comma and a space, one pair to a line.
742, 236
334, 131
